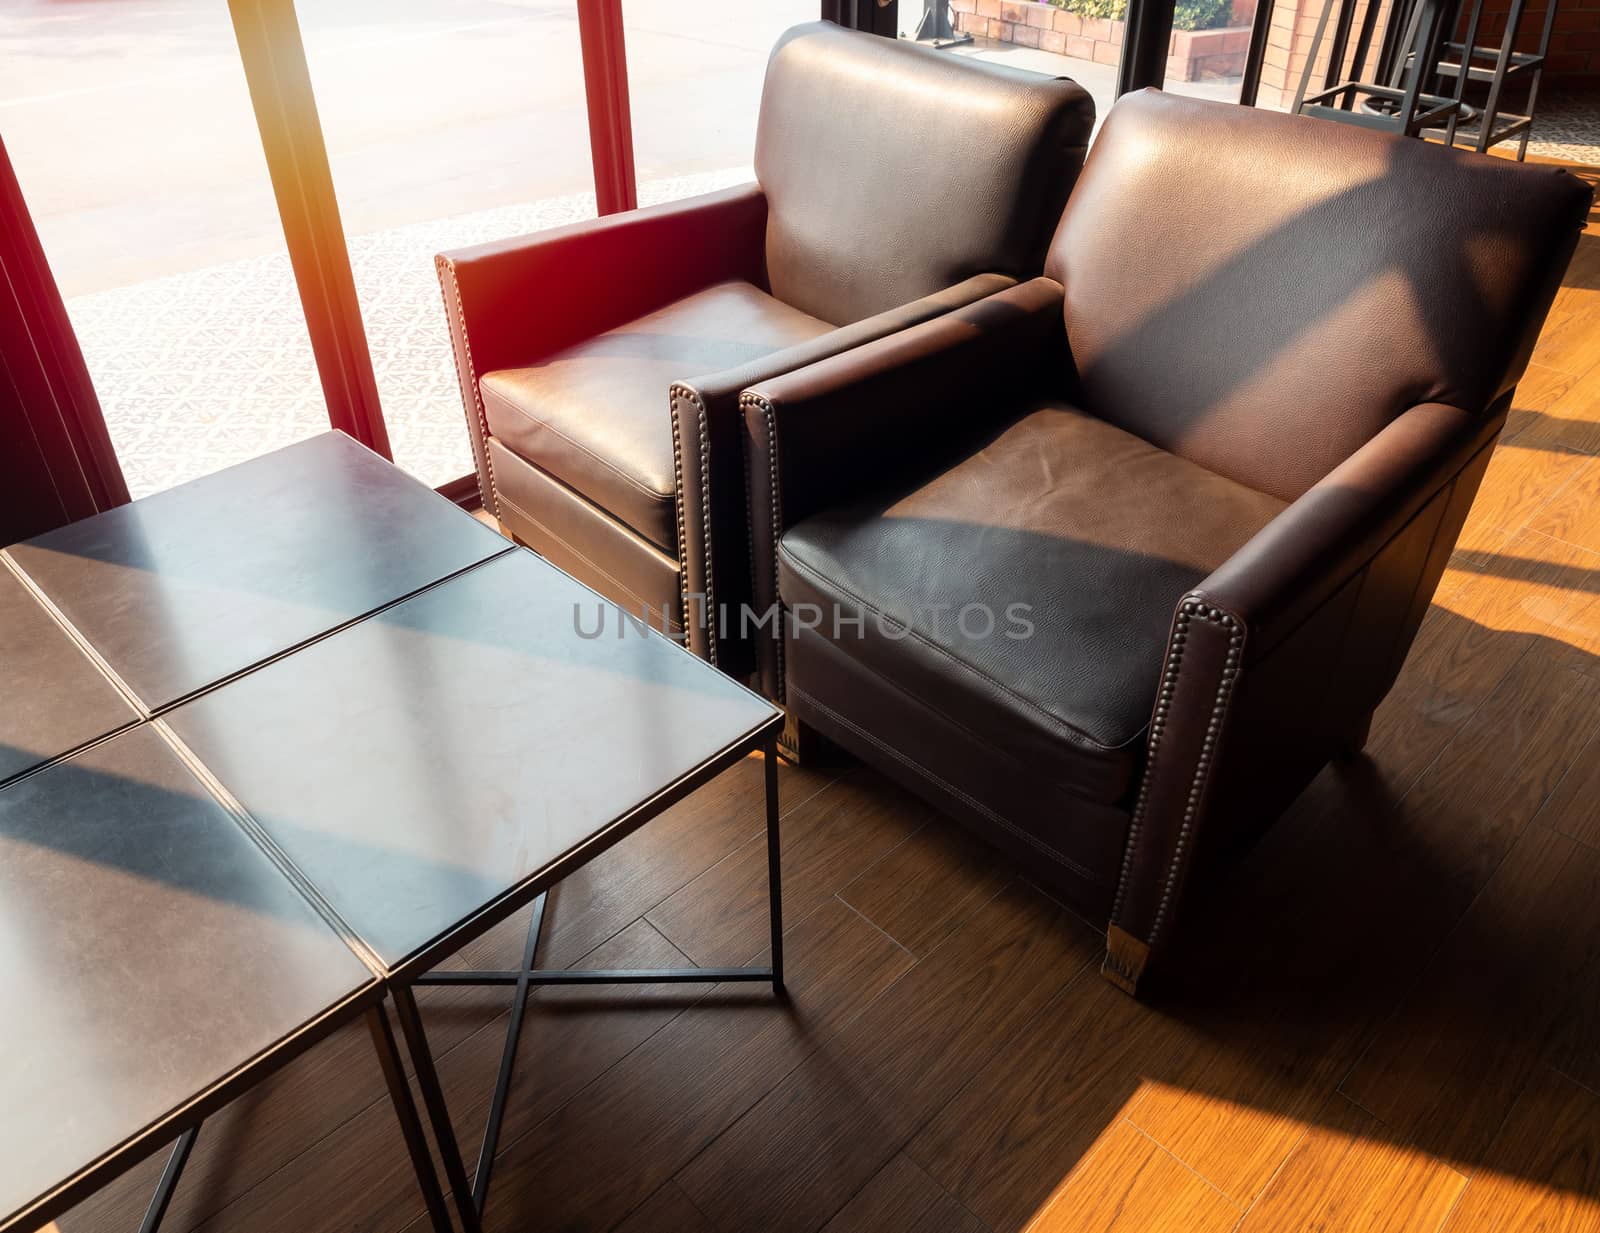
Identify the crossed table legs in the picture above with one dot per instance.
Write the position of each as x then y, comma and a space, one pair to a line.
470, 1196
405, 1110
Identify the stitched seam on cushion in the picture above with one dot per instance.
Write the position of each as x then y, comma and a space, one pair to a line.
1070, 783
575, 551
972, 802
1189, 610
770, 415
709, 597
1064, 729
446, 267
630, 481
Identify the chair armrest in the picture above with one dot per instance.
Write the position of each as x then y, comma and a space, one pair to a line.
707, 444
1305, 554
1279, 657
824, 433
515, 301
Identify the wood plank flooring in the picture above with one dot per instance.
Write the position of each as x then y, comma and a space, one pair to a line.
1387, 1015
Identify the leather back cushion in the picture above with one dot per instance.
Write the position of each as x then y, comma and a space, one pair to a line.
1261, 293
892, 171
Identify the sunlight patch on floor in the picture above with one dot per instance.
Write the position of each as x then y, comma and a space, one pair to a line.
1346, 1172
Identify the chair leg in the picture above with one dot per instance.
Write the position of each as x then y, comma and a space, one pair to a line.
1356, 741
803, 745
1126, 957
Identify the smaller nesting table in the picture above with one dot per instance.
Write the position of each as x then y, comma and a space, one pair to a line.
285, 738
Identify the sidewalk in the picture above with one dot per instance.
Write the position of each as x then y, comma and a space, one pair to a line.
161, 350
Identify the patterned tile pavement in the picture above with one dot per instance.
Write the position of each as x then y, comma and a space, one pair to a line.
201, 370
1567, 126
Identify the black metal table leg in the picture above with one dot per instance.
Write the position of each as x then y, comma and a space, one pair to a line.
769, 755
470, 1199
508, 1061
455, 1172
410, 1125
162, 1199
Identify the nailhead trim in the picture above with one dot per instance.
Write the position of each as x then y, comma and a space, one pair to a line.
1189, 611
770, 415
750, 532
677, 497
705, 526
683, 391
491, 498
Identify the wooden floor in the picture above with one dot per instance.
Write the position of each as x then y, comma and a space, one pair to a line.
1389, 1014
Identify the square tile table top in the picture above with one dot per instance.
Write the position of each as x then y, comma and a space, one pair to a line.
151, 955
188, 587
53, 698
445, 759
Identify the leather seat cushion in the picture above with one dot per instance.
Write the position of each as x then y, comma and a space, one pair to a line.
598, 417
1094, 532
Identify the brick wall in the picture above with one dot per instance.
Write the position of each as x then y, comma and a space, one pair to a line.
1197, 54
1029, 23
1289, 39
1574, 43
1192, 55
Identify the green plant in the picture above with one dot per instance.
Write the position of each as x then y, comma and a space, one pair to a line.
1186, 15
1111, 9
1202, 14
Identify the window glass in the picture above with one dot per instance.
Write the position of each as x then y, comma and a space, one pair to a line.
694, 83
134, 141
448, 123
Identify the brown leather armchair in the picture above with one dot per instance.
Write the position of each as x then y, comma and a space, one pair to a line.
601, 364
1111, 563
